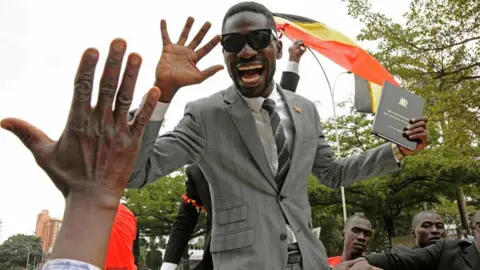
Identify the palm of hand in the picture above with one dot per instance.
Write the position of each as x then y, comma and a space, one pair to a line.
177, 66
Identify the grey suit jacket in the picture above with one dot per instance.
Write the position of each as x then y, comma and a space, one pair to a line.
218, 133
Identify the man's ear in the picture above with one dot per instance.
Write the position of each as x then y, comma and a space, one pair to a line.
343, 235
279, 46
412, 232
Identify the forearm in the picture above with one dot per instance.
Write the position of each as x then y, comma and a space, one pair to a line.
85, 231
418, 259
160, 156
345, 171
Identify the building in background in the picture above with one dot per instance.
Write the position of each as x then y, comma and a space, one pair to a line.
47, 229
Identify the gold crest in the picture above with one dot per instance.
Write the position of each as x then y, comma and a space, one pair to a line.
403, 102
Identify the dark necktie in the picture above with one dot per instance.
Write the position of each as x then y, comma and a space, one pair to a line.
281, 141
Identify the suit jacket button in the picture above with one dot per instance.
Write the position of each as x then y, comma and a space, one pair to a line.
283, 236
282, 197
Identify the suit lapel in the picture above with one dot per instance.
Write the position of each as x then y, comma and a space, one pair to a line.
295, 116
245, 123
470, 255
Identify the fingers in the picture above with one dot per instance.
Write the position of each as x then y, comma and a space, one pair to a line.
186, 30
420, 119
163, 30
32, 137
111, 73
127, 88
199, 36
417, 131
417, 134
83, 86
208, 47
299, 43
209, 72
144, 113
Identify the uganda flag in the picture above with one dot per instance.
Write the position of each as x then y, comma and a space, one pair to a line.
370, 75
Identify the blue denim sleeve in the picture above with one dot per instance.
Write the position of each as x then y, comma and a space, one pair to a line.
66, 264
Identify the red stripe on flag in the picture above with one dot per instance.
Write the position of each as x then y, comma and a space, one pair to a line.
350, 57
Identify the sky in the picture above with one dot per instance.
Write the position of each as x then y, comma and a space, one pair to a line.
41, 43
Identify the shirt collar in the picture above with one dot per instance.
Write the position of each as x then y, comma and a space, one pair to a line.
256, 103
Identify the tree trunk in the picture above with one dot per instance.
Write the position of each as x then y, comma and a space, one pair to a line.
462, 209
390, 226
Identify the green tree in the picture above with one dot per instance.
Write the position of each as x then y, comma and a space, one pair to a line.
389, 201
15, 250
156, 205
436, 55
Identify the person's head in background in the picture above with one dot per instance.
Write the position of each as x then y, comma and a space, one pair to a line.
356, 234
428, 227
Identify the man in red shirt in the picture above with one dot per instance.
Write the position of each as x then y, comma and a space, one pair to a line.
120, 246
356, 233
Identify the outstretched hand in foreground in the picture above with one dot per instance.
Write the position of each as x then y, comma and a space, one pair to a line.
92, 161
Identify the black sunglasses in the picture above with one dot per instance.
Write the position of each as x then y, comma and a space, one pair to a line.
257, 39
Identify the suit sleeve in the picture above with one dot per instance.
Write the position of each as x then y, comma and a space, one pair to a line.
183, 226
335, 172
290, 77
289, 81
418, 259
161, 156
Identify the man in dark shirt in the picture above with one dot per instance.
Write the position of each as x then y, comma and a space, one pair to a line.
445, 254
427, 228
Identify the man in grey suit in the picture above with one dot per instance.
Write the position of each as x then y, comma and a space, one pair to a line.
256, 145
197, 188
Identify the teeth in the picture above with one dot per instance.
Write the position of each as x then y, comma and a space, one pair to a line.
242, 68
250, 79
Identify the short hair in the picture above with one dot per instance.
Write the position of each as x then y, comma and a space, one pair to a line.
416, 218
250, 7
351, 218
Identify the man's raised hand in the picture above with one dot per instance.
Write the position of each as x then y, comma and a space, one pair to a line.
95, 154
178, 64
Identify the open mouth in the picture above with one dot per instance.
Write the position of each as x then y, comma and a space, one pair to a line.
250, 74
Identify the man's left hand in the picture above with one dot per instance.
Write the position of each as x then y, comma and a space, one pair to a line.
416, 131
296, 50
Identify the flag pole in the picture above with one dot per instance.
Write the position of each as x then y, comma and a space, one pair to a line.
337, 138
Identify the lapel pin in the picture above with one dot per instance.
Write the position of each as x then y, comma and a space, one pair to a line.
297, 109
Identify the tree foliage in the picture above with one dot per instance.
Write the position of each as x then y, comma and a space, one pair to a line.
435, 54
14, 251
389, 201
156, 205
